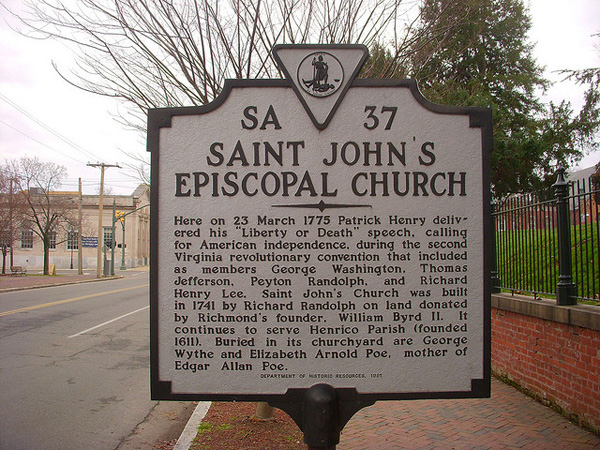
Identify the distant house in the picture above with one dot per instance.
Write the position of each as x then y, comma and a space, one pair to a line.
28, 249
536, 211
584, 207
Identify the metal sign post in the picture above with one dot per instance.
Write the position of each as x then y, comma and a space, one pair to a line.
320, 243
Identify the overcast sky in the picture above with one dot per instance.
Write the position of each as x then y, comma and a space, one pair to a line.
41, 115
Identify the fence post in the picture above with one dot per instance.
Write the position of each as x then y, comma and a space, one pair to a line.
494, 272
565, 289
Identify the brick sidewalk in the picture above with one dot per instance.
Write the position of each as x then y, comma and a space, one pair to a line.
508, 420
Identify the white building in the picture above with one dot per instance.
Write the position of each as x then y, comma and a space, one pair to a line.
28, 250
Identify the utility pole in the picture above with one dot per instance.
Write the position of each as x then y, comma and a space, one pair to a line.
10, 224
79, 231
100, 212
114, 241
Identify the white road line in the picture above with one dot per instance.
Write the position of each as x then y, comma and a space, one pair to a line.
110, 321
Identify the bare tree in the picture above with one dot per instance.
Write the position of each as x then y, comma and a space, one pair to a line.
139, 167
11, 213
163, 53
6, 235
48, 212
157, 53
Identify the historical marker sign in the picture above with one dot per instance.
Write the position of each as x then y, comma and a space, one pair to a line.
89, 241
320, 229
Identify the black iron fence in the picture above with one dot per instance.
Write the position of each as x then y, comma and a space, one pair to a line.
548, 244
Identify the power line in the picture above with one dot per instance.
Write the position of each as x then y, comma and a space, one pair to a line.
47, 128
41, 143
107, 182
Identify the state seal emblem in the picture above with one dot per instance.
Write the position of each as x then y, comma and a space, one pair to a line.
320, 74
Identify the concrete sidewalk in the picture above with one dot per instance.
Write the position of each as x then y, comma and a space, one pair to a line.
34, 278
507, 420
10, 283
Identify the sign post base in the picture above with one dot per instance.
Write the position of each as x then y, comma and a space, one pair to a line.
321, 417
321, 412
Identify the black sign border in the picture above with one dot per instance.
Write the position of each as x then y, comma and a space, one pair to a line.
161, 118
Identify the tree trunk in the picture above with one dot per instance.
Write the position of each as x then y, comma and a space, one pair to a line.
264, 411
3, 260
46, 257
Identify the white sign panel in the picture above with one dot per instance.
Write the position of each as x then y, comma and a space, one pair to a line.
295, 244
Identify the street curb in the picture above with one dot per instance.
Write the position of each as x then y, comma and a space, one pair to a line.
191, 429
66, 283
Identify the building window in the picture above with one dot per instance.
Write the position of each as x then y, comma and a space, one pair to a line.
27, 238
52, 240
72, 240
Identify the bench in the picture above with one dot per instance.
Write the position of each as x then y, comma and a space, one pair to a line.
17, 270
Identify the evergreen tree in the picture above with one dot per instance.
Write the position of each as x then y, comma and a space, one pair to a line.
476, 53
486, 61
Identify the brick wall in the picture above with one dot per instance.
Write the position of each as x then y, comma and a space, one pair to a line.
551, 352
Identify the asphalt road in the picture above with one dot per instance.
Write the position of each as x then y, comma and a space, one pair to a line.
74, 365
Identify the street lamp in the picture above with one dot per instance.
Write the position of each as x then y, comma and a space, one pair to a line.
121, 217
71, 244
